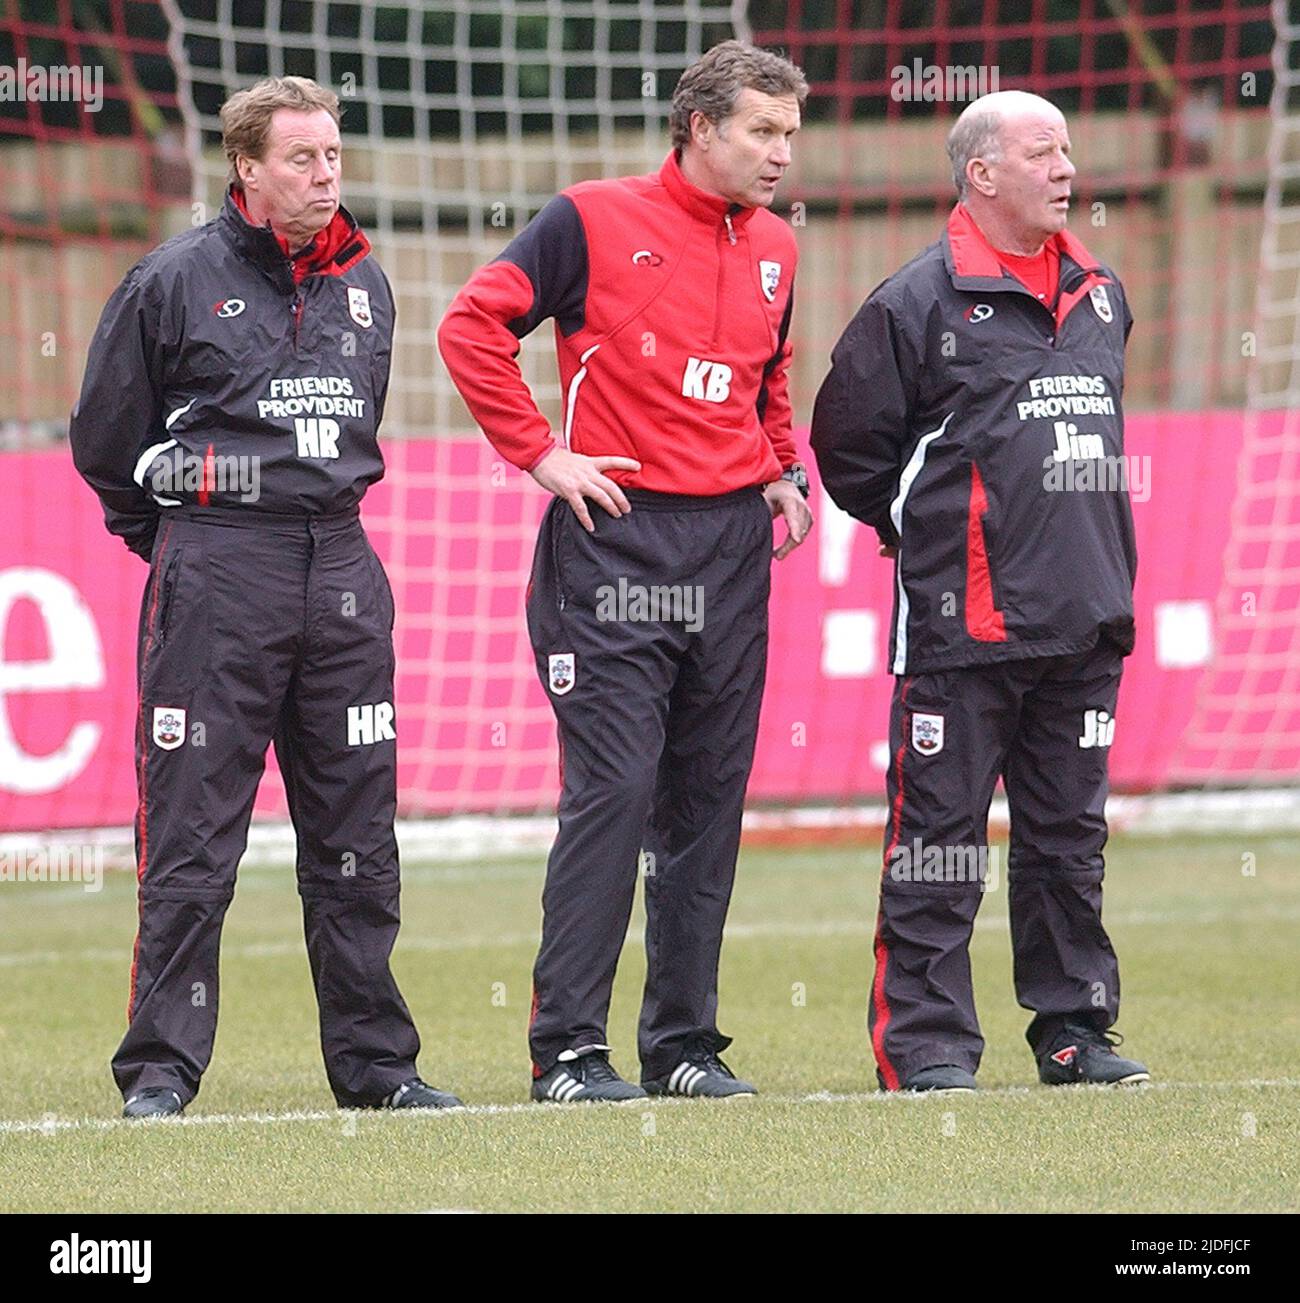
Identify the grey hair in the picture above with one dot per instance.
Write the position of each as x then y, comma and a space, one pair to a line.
976, 134
712, 84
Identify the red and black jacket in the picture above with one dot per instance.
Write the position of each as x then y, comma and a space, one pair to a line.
672, 314
199, 358
949, 394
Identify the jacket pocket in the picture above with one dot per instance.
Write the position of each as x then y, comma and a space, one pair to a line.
177, 628
167, 584
383, 588
555, 525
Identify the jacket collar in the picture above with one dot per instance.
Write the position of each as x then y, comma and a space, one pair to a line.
336, 249
699, 203
973, 263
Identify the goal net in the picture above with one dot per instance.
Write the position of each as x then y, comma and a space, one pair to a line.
461, 120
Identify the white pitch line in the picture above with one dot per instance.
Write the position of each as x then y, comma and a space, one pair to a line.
734, 932
51, 1125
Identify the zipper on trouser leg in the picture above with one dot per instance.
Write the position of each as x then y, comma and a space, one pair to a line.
555, 555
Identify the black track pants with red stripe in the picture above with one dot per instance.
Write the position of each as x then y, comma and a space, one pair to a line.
657, 723
256, 629
1044, 725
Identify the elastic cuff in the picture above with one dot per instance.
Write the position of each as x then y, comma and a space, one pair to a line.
537, 461
931, 1055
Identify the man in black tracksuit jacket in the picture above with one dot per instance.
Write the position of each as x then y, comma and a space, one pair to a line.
228, 421
972, 417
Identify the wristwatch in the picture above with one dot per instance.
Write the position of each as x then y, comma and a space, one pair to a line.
798, 477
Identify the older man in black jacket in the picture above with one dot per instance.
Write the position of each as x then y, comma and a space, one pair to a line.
972, 417
228, 421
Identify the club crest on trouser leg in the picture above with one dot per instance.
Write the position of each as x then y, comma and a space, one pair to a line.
168, 727
927, 734
561, 672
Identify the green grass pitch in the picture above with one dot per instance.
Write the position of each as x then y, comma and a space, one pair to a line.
1207, 955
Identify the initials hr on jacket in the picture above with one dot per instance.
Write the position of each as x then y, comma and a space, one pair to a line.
212, 353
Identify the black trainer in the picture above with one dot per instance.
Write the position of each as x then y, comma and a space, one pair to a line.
153, 1102
1082, 1054
417, 1094
941, 1078
584, 1076
700, 1075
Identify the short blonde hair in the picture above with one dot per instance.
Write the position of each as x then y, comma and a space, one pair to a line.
246, 115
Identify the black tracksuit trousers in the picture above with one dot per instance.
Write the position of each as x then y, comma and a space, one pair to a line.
1044, 725
257, 628
657, 706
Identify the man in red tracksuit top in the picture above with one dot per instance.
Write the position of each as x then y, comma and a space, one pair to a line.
671, 295
972, 417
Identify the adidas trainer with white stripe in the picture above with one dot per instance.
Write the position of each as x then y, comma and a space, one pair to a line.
419, 1094
584, 1076
701, 1075
153, 1102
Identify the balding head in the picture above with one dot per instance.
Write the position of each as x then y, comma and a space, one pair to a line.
1010, 155
977, 133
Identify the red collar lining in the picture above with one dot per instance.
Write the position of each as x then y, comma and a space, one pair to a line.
699, 203
973, 255
330, 251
